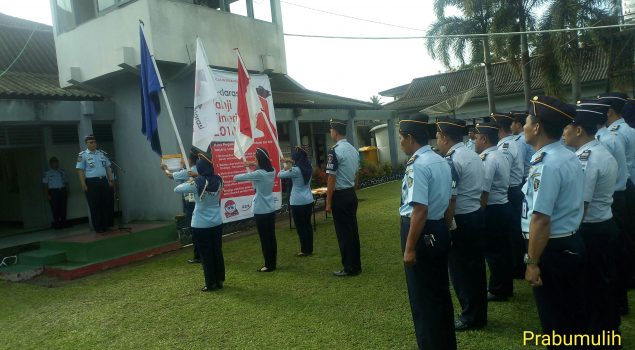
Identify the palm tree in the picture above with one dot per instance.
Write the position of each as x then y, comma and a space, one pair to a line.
376, 100
516, 16
567, 50
477, 17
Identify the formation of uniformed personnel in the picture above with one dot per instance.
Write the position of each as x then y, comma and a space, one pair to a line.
622, 198
495, 202
341, 200
517, 130
56, 190
515, 155
598, 229
466, 261
552, 211
95, 177
425, 241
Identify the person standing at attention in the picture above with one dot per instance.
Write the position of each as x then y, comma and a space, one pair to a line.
341, 200
262, 179
95, 176
56, 190
425, 240
301, 197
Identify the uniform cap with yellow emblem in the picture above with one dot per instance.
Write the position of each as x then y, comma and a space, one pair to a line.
552, 111
519, 116
338, 125
451, 126
504, 120
615, 100
414, 124
488, 128
595, 105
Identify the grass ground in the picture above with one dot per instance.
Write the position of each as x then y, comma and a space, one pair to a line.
157, 303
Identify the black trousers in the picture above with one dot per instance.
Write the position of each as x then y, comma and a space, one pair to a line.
625, 251
210, 243
429, 288
188, 208
560, 300
266, 225
630, 207
517, 241
467, 267
98, 202
600, 240
497, 250
302, 220
344, 208
58, 206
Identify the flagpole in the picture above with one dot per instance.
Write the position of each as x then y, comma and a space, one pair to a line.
273, 136
167, 103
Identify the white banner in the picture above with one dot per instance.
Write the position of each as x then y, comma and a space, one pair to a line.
237, 198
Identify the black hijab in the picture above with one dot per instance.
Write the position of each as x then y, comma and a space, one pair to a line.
206, 179
301, 160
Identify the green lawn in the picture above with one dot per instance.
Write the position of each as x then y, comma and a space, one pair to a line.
157, 303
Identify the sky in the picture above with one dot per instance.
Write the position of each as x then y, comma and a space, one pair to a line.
351, 68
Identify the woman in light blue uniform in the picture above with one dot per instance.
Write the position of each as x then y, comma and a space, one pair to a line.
207, 224
301, 198
262, 180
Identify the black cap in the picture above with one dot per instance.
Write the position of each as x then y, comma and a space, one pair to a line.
89, 137
628, 112
450, 125
338, 125
587, 117
614, 99
596, 106
551, 110
519, 116
487, 129
414, 124
502, 119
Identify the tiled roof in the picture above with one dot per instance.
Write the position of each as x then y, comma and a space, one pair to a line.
34, 74
289, 94
426, 91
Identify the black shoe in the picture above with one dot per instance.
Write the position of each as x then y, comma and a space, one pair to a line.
344, 273
265, 269
211, 288
494, 297
303, 255
194, 261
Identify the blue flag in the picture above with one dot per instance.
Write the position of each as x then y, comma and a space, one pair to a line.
150, 105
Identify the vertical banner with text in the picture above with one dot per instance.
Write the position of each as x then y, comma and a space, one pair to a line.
237, 198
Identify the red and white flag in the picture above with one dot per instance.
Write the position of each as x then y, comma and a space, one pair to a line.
249, 108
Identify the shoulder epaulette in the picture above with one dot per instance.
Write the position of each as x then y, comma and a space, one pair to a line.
505, 146
517, 138
538, 159
412, 159
615, 127
333, 147
483, 156
584, 156
450, 153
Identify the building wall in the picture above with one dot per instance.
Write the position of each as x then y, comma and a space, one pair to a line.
96, 47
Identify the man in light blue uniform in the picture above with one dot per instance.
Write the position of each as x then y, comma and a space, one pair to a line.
56, 190
425, 242
515, 154
625, 136
471, 135
341, 168
95, 176
598, 229
494, 200
517, 129
552, 212
466, 260
180, 177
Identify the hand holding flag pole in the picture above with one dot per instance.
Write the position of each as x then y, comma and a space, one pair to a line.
150, 84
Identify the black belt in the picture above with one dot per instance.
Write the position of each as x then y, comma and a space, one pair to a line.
568, 234
96, 178
345, 189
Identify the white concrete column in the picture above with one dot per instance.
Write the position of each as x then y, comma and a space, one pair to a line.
392, 142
